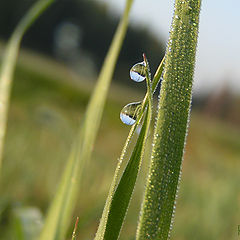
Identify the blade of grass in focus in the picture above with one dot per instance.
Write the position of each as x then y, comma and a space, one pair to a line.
120, 194
103, 222
159, 203
9, 62
59, 214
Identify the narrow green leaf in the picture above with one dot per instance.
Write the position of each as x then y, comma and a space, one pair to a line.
119, 195
157, 75
123, 193
9, 62
60, 211
156, 80
104, 218
171, 125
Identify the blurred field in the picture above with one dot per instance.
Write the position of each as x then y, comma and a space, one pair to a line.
48, 102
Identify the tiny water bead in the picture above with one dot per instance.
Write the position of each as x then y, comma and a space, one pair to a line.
129, 113
137, 72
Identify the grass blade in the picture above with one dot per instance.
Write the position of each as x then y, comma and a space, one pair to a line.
171, 124
119, 195
9, 62
104, 218
124, 190
59, 214
156, 81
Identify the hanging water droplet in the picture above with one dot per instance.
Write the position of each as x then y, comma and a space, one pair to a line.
128, 115
137, 72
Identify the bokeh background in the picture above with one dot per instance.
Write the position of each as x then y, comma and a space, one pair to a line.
58, 65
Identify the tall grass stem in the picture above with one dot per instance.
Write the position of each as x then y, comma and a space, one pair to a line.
170, 132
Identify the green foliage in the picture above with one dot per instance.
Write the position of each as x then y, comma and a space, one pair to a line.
120, 194
9, 61
61, 208
207, 207
169, 136
171, 125
123, 192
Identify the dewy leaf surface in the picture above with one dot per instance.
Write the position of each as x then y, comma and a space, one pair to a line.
123, 193
171, 125
105, 216
9, 62
120, 195
59, 214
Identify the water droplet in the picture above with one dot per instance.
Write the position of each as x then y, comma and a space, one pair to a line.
128, 115
137, 72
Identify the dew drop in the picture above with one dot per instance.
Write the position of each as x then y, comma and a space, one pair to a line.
128, 115
137, 72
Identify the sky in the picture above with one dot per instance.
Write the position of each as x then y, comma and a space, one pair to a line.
218, 52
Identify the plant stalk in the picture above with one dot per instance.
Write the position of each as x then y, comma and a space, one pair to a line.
171, 125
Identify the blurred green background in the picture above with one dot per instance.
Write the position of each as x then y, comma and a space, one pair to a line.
54, 77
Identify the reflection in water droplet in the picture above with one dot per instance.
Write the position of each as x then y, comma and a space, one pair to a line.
128, 115
137, 72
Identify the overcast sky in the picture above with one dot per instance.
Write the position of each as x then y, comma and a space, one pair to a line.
218, 55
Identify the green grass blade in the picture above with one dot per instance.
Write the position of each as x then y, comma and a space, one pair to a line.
59, 214
103, 222
119, 195
157, 75
171, 124
9, 62
124, 190
156, 80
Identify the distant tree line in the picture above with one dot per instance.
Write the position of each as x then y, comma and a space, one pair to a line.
97, 27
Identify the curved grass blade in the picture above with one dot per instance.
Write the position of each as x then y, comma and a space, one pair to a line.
59, 214
157, 75
102, 225
124, 190
119, 195
9, 62
171, 125
103, 221
156, 81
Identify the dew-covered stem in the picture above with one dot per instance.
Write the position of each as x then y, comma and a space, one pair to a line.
115, 207
104, 218
157, 75
155, 82
149, 84
171, 125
